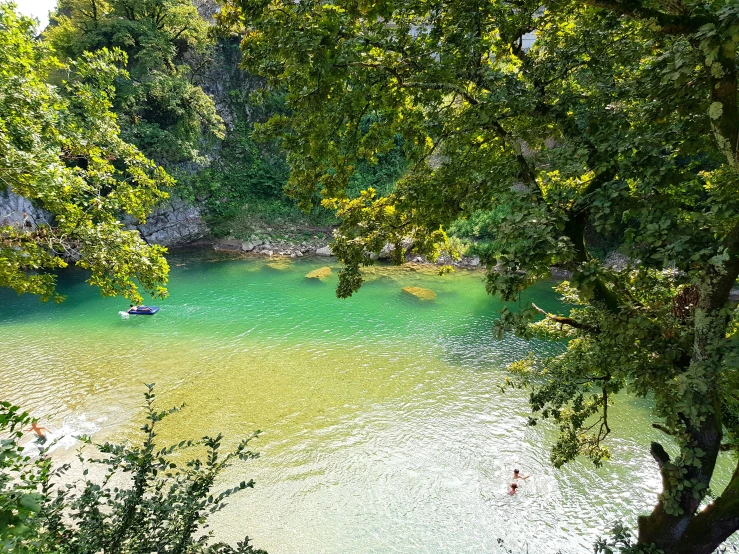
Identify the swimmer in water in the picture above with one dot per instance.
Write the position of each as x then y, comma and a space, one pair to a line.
512, 489
38, 430
517, 475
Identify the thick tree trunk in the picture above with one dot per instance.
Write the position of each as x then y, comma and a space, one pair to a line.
716, 523
690, 532
668, 531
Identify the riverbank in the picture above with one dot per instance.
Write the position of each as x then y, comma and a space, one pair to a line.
316, 243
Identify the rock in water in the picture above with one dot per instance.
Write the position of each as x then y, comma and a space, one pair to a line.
321, 273
279, 264
324, 251
420, 293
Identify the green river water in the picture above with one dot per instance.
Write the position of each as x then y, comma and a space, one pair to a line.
384, 427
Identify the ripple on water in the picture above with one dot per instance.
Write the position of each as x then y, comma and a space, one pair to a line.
385, 429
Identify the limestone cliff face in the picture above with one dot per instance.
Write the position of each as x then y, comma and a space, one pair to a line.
222, 79
176, 221
18, 211
173, 223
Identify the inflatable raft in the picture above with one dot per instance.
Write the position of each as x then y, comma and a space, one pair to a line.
144, 310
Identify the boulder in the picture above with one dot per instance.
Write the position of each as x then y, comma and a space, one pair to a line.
227, 245
247, 246
324, 251
321, 273
386, 252
420, 293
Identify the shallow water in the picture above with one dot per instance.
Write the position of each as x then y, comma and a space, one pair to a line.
385, 429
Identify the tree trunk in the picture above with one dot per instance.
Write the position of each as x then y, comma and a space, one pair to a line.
690, 532
668, 531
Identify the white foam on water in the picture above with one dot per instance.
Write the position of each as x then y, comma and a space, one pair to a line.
65, 437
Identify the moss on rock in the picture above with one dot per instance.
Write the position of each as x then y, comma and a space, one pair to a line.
420, 293
320, 273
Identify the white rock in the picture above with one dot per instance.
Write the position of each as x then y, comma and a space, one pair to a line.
324, 251
247, 246
474, 262
386, 251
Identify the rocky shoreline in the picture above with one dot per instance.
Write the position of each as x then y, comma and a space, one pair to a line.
317, 246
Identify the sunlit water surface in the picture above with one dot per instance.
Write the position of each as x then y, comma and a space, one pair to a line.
384, 425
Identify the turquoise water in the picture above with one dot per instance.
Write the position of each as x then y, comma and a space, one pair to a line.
385, 429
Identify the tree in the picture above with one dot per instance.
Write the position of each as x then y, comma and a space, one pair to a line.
619, 120
161, 109
160, 504
60, 148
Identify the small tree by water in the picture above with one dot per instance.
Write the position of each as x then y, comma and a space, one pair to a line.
161, 504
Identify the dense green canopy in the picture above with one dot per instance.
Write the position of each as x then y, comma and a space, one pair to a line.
60, 149
618, 123
161, 107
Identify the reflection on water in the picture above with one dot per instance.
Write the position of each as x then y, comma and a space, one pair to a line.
385, 429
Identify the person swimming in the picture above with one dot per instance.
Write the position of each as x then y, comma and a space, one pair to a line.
41, 436
512, 489
517, 475
38, 430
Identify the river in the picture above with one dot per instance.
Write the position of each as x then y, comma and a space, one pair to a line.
384, 426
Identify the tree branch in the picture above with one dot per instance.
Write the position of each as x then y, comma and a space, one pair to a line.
665, 430
659, 454
565, 320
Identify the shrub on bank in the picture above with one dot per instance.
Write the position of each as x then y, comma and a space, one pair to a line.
162, 506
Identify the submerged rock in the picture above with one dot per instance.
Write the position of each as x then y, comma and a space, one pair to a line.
320, 273
420, 293
279, 264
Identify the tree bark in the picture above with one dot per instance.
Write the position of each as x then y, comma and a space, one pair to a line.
703, 532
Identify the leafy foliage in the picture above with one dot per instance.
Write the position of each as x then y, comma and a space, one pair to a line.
20, 478
160, 107
161, 506
621, 117
60, 148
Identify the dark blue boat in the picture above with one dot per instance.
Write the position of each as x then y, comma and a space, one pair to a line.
144, 310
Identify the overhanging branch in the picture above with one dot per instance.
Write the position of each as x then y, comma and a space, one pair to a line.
566, 320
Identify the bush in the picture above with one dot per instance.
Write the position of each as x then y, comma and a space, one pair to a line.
161, 506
